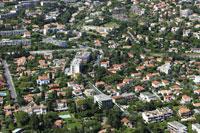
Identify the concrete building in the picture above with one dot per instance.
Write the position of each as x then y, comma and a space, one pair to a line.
55, 42
197, 79
147, 97
160, 114
15, 42
104, 101
84, 56
10, 14
176, 127
12, 32
185, 13
166, 68
196, 127
76, 66
48, 3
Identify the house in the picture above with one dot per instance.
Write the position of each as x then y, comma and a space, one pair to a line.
139, 68
197, 91
184, 112
105, 64
139, 89
176, 127
165, 82
156, 84
29, 98
175, 87
157, 115
89, 92
27, 34
185, 99
136, 75
147, 97
127, 123
61, 105
165, 92
43, 80
127, 81
37, 109
121, 85
113, 70
118, 66
168, 98
149, 76
77, 92
101, 83
58, 123
71, 84
196, 127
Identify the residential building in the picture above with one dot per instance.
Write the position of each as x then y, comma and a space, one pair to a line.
147, 97
176, 127
166, 68
197, 80
43, 80
61, 105
127, 123
55, 42
156, 84
184, 112
12, 32
15, 42
76, 66
104, 101
196, 127
84, 56
37, 109
160, 114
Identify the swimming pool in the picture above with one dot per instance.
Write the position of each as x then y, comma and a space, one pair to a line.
64, 116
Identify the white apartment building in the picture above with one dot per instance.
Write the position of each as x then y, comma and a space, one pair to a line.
166, 68
160, 114
76, 66
176, 127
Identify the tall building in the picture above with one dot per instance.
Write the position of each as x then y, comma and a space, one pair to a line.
104, 101
76, 66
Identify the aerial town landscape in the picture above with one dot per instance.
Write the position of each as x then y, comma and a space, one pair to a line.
100, 66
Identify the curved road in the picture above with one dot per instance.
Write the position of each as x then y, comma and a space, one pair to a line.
9, 81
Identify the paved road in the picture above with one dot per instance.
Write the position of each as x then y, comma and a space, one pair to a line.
11, 86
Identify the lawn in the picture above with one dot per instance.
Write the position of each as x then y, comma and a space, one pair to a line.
113, 24
72, 122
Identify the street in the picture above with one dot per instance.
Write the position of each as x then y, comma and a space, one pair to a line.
9, 81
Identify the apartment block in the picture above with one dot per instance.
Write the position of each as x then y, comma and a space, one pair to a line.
15, 42
160, 114
84, 56
176, 127
12, 32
